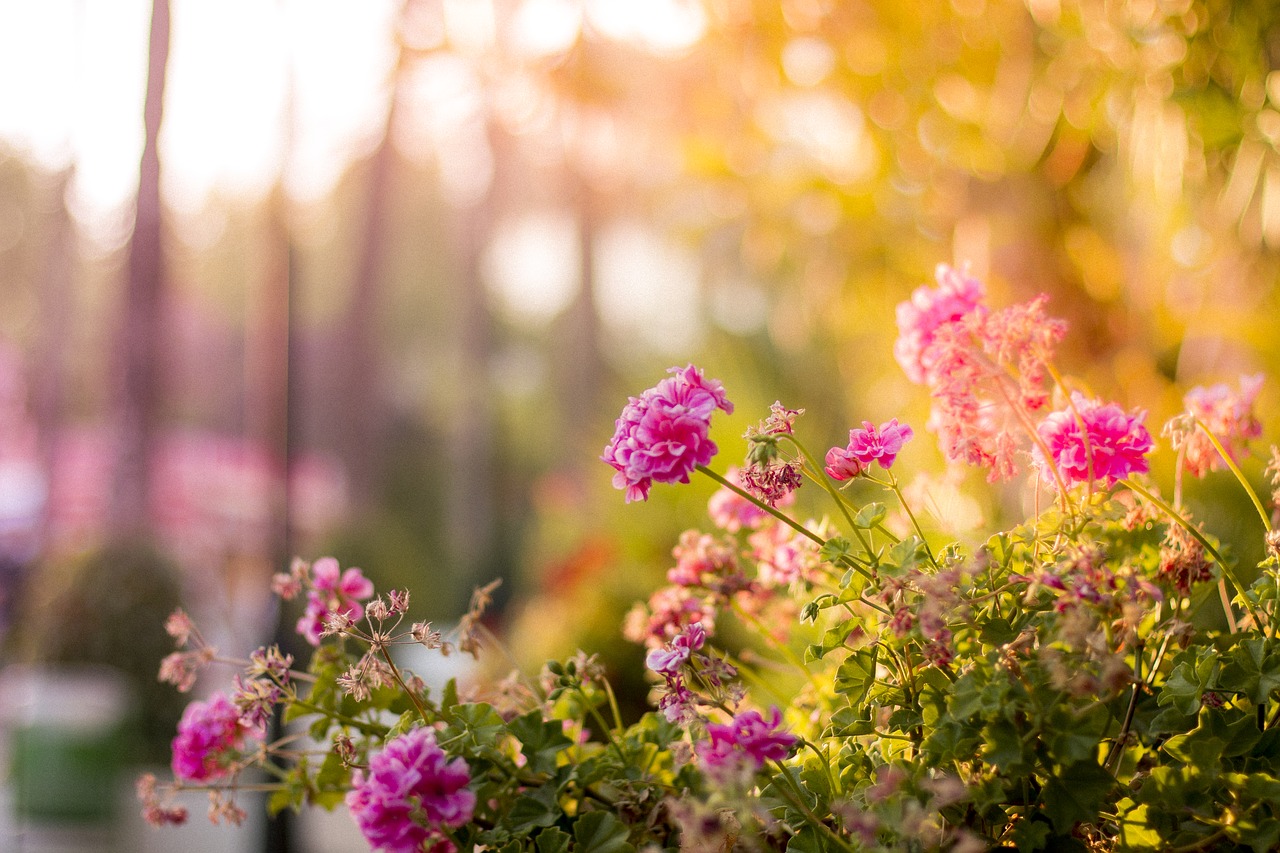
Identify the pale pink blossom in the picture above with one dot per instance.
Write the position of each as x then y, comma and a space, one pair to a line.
783, 556
1226, 413
703, 560
928, 309
1117, 443
732, 512
670, 611
987, 372
662, 434
669, 659
333, 594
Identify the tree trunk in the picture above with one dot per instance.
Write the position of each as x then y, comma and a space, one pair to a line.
140, 350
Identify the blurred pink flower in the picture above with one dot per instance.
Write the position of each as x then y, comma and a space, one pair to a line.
409, 793
732, 512
662, 434
986, 372
866, 445
1118, 443
1228, 415
783, 556
749, 739
928, 309
207, 734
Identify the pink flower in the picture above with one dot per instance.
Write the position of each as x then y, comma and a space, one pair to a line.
669, 612
409, 793
784, 556
986, 370
662, 434
208, 735
732, 512
333, 592
1225, 413
705, 561
668, 660
1118, 443
749, 739
919, 318
866, 445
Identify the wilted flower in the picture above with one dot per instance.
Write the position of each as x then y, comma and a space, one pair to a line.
732, 512
1117, 443
409, 792
662, 434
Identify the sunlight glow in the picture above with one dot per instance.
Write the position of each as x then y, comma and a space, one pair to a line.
662, 26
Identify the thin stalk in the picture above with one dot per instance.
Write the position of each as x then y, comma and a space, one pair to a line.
1227, 571
413, 697
1235, 469
820, 477
797, 799
781, 516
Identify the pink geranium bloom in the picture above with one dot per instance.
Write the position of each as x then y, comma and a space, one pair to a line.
1118, 443
928, 309
662, 434
333, 591
669, 659
749, 739
866, 445
1228, 414
209, 734
409, 793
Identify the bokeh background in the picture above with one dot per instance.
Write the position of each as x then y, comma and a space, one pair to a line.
372, 278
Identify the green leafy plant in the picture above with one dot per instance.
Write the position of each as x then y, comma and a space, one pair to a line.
1045, 688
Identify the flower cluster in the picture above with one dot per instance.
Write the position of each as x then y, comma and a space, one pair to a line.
210, 737
662, 434
1101, 676
410, 794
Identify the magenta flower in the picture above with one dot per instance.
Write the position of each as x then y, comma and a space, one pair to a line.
749, 740
332, 591
928, 309
1118, 443
669, 659
866, 445
662, 434
1228, 415
209, 734
410, 792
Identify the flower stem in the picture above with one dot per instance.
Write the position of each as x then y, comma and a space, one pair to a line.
1235, 469
1227, 572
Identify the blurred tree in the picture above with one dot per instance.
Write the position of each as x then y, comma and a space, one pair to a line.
140, 338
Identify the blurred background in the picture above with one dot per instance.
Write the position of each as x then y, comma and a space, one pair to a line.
374, 277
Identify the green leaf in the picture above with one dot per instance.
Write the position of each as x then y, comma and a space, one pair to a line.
533, 809
479, 720
997, 632
870, 515
601, 832
1075, 795
1003, 744
807, 840
835, 548
1136, 829
541, 740
857, 673
552, 840
1252, 669
1030, 835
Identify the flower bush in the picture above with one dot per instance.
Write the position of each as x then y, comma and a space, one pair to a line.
1048, 688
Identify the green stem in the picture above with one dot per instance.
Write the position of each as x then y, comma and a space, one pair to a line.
364, 728
413, 697
781, 516
796, 796
819, 476
1235, 469
1174, 515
